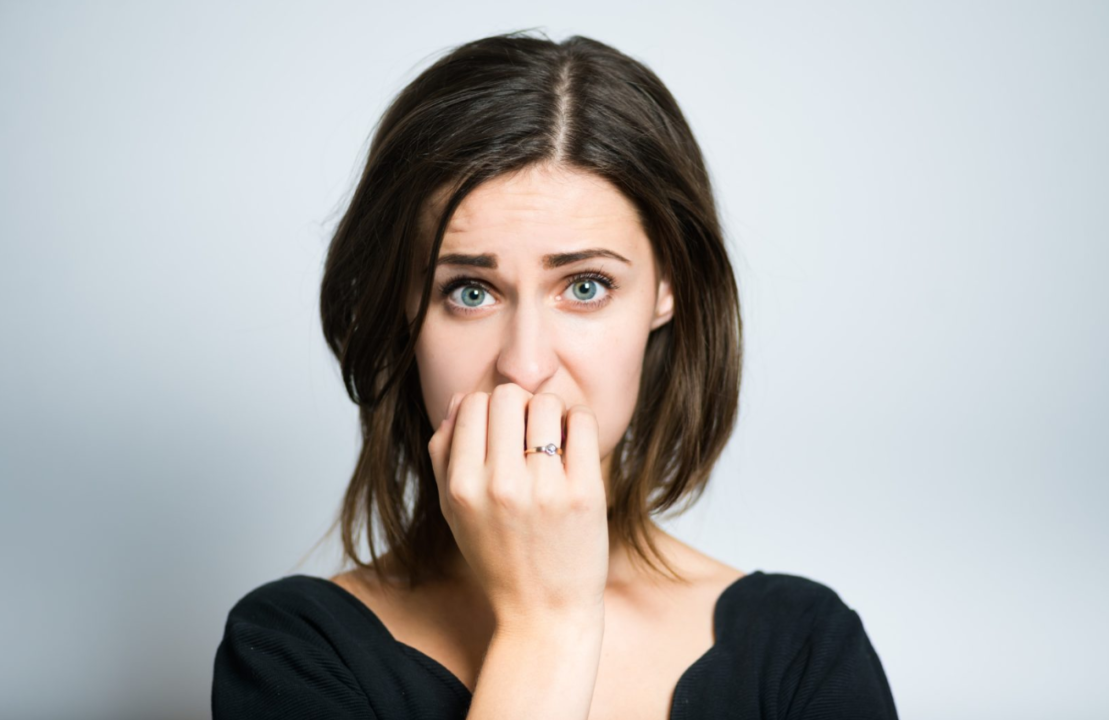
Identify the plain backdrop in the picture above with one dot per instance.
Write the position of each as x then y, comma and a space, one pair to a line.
915, 199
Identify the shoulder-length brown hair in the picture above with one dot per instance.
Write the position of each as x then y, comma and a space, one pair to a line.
487, 108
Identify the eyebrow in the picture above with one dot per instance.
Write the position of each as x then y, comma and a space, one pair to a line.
555, 260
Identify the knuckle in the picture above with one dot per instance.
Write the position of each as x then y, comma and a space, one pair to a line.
459, 496
547, 497
579, 502
504, 495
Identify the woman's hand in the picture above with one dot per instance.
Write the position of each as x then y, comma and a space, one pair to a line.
533, 528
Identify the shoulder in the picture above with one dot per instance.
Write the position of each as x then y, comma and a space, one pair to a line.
301, 611
286, 652
784, 615
814, 642
789, 598
291, 589
286, 599
307, 609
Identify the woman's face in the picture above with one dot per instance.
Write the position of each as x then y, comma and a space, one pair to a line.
510, 304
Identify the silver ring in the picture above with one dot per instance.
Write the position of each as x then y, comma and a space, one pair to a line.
549, 448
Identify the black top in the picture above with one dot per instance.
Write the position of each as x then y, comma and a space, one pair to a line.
303, 647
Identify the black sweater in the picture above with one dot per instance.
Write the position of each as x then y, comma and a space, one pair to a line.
303, 647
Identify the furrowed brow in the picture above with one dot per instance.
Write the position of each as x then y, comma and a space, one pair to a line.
550, 262
557, 260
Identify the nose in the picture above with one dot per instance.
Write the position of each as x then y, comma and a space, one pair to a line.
527, 355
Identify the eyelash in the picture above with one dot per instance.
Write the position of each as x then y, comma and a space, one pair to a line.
451, 284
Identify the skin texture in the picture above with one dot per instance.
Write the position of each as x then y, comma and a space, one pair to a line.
539, 327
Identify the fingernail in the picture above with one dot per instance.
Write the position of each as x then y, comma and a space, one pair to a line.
454, 404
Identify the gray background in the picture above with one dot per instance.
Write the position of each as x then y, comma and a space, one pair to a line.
915, 198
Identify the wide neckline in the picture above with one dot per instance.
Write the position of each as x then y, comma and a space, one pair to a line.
444, 674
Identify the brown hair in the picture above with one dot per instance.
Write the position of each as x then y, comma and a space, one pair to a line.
487, 108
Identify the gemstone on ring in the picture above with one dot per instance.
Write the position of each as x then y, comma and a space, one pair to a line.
550, 449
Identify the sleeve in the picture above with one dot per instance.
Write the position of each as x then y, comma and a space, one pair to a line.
273, 662
837, 674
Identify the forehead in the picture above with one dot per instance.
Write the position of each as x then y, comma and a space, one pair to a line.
540, 210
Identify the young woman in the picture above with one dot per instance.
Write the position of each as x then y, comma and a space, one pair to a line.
533, 307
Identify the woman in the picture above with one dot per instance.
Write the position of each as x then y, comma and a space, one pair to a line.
532, 304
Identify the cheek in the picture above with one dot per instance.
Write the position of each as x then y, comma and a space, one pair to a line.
609, 373
447, 363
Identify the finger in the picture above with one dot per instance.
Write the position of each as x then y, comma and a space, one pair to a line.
467, 453
582, 452
507, 409
438, 447
544, 427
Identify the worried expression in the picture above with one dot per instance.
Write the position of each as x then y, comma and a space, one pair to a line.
547, 279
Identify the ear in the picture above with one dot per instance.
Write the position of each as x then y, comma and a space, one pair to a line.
664, 305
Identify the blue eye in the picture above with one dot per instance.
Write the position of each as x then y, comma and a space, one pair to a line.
590, 285
473, 293
584, 287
